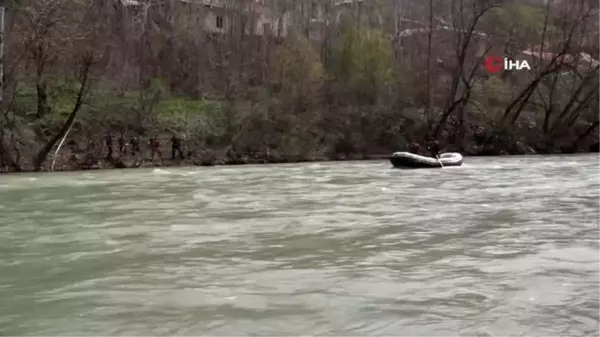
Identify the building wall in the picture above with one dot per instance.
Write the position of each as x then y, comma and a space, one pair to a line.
215, 20
260, 19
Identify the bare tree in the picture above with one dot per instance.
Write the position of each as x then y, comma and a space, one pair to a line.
557, 62
465, 19
48, 41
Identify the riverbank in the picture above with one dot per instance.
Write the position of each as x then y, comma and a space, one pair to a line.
133, 162
209, 158
259, 100
214, 133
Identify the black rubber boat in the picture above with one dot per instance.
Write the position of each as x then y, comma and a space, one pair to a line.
413, 161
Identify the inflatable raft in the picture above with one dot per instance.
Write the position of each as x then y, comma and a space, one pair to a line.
411, 160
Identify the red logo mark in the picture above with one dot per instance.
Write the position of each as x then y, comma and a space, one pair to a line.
494, 64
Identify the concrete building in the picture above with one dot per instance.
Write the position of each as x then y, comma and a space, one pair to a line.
259, 17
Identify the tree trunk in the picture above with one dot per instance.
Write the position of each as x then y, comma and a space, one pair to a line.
429, 41
43, 154
586, 133
2, 13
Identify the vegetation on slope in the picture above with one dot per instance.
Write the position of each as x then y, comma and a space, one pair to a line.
366, 81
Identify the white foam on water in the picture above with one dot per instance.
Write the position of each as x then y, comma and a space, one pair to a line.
480, 166
160, 171
202, 197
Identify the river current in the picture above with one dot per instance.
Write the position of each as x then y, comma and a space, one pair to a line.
500, 246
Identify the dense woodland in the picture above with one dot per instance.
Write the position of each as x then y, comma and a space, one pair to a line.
365, 78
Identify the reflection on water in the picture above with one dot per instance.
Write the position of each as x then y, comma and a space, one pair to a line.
501, 246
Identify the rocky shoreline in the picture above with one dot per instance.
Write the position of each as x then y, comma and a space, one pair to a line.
133, 163
210, 159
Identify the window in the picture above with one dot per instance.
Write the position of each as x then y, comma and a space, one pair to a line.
314, 10
266, 29
219, 22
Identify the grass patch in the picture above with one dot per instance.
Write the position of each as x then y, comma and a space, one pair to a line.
110, 109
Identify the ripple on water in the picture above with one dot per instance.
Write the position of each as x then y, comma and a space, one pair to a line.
499, 246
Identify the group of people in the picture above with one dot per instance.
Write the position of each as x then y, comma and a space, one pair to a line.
134, 146
433, 148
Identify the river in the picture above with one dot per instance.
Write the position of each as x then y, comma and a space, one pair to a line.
501, 246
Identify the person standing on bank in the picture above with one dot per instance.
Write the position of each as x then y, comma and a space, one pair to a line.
108, 141
135, 145
122, 144
155, 148
176, 147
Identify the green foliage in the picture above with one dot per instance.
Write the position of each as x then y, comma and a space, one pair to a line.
61, 96
297, 70
106, 108
520, 23
526, 18
364, 60
181, 114
489, 98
